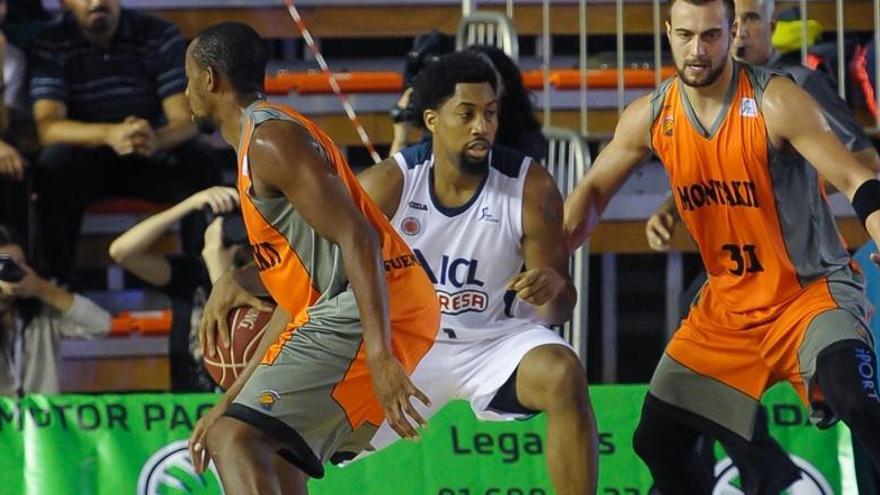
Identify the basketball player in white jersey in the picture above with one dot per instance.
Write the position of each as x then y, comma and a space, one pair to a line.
486, 224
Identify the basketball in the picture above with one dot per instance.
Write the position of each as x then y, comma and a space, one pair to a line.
246, 328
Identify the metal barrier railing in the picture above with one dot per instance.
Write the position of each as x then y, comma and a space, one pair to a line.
568, 158
841, 53
489, 29
582, 65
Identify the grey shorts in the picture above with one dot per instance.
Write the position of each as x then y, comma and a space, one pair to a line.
295, 397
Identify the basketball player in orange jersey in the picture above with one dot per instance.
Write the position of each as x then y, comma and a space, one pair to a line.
357, 311
781, 302
766, 468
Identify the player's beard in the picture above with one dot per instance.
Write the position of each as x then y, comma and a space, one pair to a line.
205, 125
713, 74
472, 166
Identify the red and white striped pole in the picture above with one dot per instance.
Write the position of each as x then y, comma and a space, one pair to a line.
334, 84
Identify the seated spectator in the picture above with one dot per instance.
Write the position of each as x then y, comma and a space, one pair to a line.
107, 86
13, 108
186, 279
518, 127
34, 315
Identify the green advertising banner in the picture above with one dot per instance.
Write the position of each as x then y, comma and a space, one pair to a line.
121, 444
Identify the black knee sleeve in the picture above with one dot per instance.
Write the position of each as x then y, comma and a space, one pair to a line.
764, 466
847, 373
668, 446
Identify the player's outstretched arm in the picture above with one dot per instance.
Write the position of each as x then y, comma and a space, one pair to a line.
285, 160
792, 116
384, 184
545, 283
630, 146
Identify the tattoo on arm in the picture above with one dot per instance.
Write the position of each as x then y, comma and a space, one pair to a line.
320, 149
551, 208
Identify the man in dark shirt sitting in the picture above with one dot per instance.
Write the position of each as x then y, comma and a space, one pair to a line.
107, 89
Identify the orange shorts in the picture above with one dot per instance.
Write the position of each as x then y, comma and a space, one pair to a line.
719, 364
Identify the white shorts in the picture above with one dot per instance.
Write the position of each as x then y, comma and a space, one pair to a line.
472, 370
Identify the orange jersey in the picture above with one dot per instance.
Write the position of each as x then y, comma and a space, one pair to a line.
303, 272
756, 213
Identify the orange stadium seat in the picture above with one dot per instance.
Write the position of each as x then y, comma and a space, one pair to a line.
533, 79
282, 82
314, 82
607, 78
352, 82
154, 322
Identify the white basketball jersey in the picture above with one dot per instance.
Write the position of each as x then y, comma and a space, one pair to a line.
470, 252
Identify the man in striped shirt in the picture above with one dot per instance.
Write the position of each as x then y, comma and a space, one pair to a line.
107, 89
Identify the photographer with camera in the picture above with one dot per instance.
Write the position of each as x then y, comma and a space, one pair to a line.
425, 50
34, 315
186, 279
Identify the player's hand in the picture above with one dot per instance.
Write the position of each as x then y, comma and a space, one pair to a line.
537, 286
198, 448
394, 389
11, 162
225, 295
659, 229
875, 257
220, 199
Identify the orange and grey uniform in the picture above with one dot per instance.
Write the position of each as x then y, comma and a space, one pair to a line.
780, 289
313, 389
